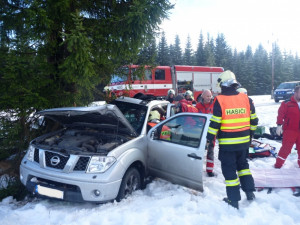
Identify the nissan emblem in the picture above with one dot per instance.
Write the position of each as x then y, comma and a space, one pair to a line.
55, 160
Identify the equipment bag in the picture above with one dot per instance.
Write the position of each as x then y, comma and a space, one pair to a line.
259, 149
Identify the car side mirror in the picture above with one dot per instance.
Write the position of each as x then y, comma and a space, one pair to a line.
154, 135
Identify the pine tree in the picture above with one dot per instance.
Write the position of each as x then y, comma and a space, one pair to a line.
278, 68
200, 56
209, 52
163, 55
262, 71
222, 52
287, 66
188, 52
296, 68
177, 54
148, 54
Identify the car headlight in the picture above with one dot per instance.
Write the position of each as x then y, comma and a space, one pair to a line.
100, 164
30, 153
289, 92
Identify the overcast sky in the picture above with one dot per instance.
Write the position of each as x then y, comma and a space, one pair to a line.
243, 22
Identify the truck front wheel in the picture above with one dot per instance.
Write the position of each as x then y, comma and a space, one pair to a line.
130, 182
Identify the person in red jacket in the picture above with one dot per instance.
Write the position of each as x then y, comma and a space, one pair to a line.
206, 106
288, 124
183, 105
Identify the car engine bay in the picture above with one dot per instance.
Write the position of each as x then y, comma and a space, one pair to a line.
80, 141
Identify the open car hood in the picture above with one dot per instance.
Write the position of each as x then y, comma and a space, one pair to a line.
108, 115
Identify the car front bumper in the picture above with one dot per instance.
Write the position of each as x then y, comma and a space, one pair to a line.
75, 187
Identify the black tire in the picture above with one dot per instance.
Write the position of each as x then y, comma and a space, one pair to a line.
276, 100
130, 183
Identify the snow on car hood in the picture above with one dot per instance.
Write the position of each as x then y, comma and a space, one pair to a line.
98, 115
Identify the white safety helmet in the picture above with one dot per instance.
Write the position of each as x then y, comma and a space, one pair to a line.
190, 93
171, 91
227, 79
154, 116
242, 90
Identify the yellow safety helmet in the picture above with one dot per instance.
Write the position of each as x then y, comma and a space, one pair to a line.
242, 90
227, 79
154, 116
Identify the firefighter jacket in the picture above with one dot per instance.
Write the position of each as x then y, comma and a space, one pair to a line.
205, 108
185, 107
289, 115
233, 118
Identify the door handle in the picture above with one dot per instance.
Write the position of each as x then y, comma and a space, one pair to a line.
193, 155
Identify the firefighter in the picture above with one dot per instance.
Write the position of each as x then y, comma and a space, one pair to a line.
288, 124
154, 118
233, 121
206, 106
188, 95
171, 95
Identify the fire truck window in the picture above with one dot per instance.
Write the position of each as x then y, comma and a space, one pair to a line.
148, 74
160, 75
120, 75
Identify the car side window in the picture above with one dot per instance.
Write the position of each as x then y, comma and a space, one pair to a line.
184, 130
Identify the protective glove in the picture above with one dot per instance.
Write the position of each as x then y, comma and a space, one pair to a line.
279, 130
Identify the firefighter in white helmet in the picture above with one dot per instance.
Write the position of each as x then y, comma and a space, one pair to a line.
188, 95
233, 122
171, 95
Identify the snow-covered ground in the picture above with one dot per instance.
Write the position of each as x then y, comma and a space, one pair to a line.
164, 203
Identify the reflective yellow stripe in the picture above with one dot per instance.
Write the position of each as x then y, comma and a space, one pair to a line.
244, 172
216, 119
231, 183
253, 116
212, 131
233, 128
238, 140
252, 127
238, 120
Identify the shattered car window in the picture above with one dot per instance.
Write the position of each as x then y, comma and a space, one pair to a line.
135, 114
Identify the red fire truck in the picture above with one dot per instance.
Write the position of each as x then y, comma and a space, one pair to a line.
157, 81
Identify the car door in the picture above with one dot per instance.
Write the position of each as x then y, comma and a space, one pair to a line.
175, 149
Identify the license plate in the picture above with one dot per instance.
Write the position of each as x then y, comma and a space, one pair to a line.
279, 97
49, 192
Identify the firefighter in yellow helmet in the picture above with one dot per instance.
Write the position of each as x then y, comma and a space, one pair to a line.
233, 122
154, 118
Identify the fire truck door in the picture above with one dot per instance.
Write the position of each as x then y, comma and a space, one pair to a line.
144, 84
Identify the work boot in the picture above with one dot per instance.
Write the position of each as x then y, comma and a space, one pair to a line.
276, 166
210, 174
234, 204
250, 195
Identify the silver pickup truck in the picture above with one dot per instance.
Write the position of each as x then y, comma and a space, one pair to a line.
102, 153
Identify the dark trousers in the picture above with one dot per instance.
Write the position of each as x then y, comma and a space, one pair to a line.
231, 163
